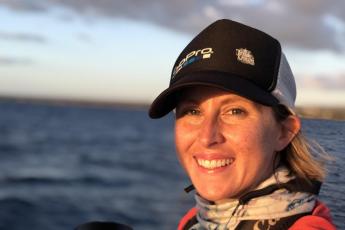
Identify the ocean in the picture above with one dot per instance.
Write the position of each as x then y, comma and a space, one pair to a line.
62, 166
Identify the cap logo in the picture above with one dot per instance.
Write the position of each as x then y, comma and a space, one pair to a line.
245, 56
191, 57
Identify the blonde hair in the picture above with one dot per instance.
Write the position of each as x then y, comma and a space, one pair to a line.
305, 158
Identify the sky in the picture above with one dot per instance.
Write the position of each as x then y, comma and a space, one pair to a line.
124, 51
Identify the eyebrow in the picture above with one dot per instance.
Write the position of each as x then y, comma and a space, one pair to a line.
235, 99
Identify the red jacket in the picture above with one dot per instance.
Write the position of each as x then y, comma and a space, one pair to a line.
320, 219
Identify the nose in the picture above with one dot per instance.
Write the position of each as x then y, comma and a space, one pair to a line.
211, 133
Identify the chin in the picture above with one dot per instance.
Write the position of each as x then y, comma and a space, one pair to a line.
214, 195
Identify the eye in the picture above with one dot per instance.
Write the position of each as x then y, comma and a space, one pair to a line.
191, 112
236, 111
182, 111
190, 115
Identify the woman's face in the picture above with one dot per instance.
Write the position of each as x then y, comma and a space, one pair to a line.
225, 142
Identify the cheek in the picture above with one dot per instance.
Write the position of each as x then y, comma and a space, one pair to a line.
243, 137
259, 149
185, 135
183, 141
179, 138
254, 144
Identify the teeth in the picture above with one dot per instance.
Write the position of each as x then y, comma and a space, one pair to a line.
219, 164
212, 164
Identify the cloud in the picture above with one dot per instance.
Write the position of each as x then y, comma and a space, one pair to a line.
7, 61
322, 82
83, 37
22, 37
298, 23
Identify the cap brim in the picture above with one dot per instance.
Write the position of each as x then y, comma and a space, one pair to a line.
167, 100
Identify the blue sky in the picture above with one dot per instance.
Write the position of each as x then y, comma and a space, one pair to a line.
111, 51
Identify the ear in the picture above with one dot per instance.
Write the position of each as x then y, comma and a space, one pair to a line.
289, 128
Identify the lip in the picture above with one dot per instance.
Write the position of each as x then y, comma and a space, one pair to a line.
212, 155
213, 163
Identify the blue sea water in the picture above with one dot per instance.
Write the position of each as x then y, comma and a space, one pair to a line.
61, 166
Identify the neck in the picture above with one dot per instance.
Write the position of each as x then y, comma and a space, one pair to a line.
270, 198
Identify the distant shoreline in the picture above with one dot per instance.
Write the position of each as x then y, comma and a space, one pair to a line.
75, 102
319, 112
314, 112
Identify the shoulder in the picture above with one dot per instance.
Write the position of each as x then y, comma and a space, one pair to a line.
319, 219
187, 219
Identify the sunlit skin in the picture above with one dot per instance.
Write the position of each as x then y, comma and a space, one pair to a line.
213, 126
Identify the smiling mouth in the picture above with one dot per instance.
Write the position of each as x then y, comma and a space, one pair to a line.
213, 164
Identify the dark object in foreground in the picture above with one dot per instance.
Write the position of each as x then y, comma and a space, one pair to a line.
96, 225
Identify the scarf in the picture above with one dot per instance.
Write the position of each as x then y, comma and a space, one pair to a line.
227, 214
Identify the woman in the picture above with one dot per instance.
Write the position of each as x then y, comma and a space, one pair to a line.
237, 134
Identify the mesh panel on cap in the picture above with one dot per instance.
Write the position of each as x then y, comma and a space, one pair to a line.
285, 90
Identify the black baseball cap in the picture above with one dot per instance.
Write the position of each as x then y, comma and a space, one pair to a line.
234, 57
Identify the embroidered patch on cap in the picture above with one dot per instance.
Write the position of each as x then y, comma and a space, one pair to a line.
245, 56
